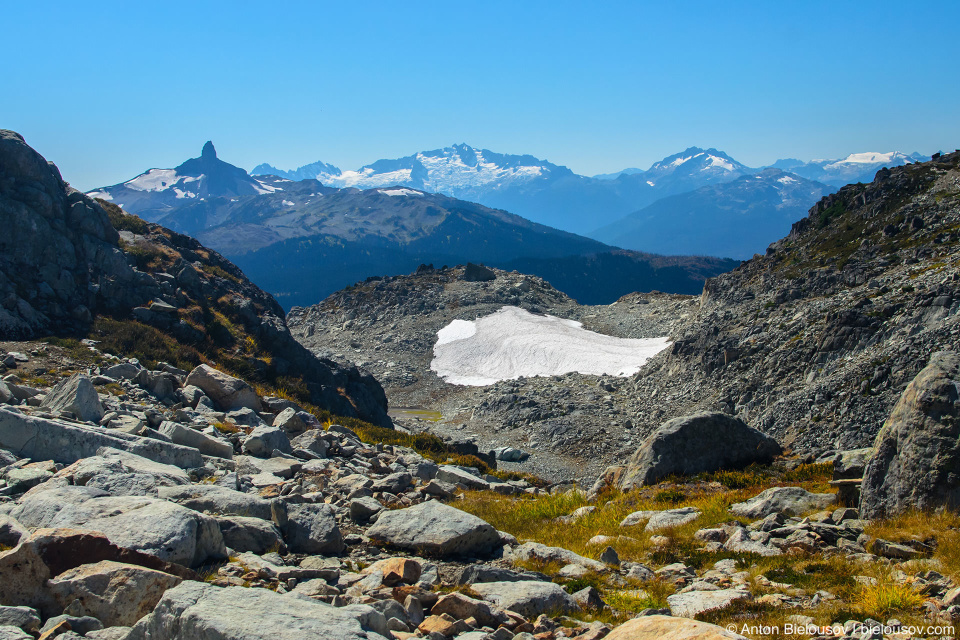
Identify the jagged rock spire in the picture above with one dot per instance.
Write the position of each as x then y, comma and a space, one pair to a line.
208, 153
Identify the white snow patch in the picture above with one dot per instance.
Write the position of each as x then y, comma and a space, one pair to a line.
153, 180
650, 183
786, 180
181, 194
263, 187
287, 203
400, 192
514, 342
720, 162
103, 195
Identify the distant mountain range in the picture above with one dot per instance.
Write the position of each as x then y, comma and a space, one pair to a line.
302, 240
856, 167
556, 196
740, 216
389, 216
530, 187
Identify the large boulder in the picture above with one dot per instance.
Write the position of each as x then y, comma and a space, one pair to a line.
117, 594
528, 598
312, 529
202, 612
77, 395
670, 628
434, 527
263, 441
695, 444
917, 459
227, 392
67, 442
157, 527
794, 501
250, 534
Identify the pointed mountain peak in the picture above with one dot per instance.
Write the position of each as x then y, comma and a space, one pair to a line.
208, 153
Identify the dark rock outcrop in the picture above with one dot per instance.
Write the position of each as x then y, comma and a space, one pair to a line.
917, 459
694, 444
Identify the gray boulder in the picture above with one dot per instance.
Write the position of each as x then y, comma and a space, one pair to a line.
77, 395
433, 527
289, 422
263, 441
188, 437
693, 603
529, 599
13, 633
461, 478
67, 442
250, 534
542, 553
113, 592
789, 500
312, 529
22, 617
157, 527
312, 441
695, 444
217, 500
202, 612
665, 519
918, 448
227, 392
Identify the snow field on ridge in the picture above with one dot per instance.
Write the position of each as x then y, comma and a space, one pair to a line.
513, 342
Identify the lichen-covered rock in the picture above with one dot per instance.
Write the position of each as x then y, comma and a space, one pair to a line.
528, 598
917, 459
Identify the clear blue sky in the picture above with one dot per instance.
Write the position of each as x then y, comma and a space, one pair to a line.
109, 89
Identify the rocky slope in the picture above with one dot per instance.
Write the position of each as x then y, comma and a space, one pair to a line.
72, 266
812, 343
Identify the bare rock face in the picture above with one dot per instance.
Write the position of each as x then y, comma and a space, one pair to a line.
917, 459
694, 444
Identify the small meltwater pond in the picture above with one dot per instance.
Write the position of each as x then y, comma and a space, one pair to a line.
513, 342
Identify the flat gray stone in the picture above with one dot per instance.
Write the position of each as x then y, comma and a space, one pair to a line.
188, 437
433, 527
529, 599
692, 603
788, 500
202, 612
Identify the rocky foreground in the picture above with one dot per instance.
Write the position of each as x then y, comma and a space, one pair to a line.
171, 504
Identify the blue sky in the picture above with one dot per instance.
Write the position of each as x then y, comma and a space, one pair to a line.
109, 89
